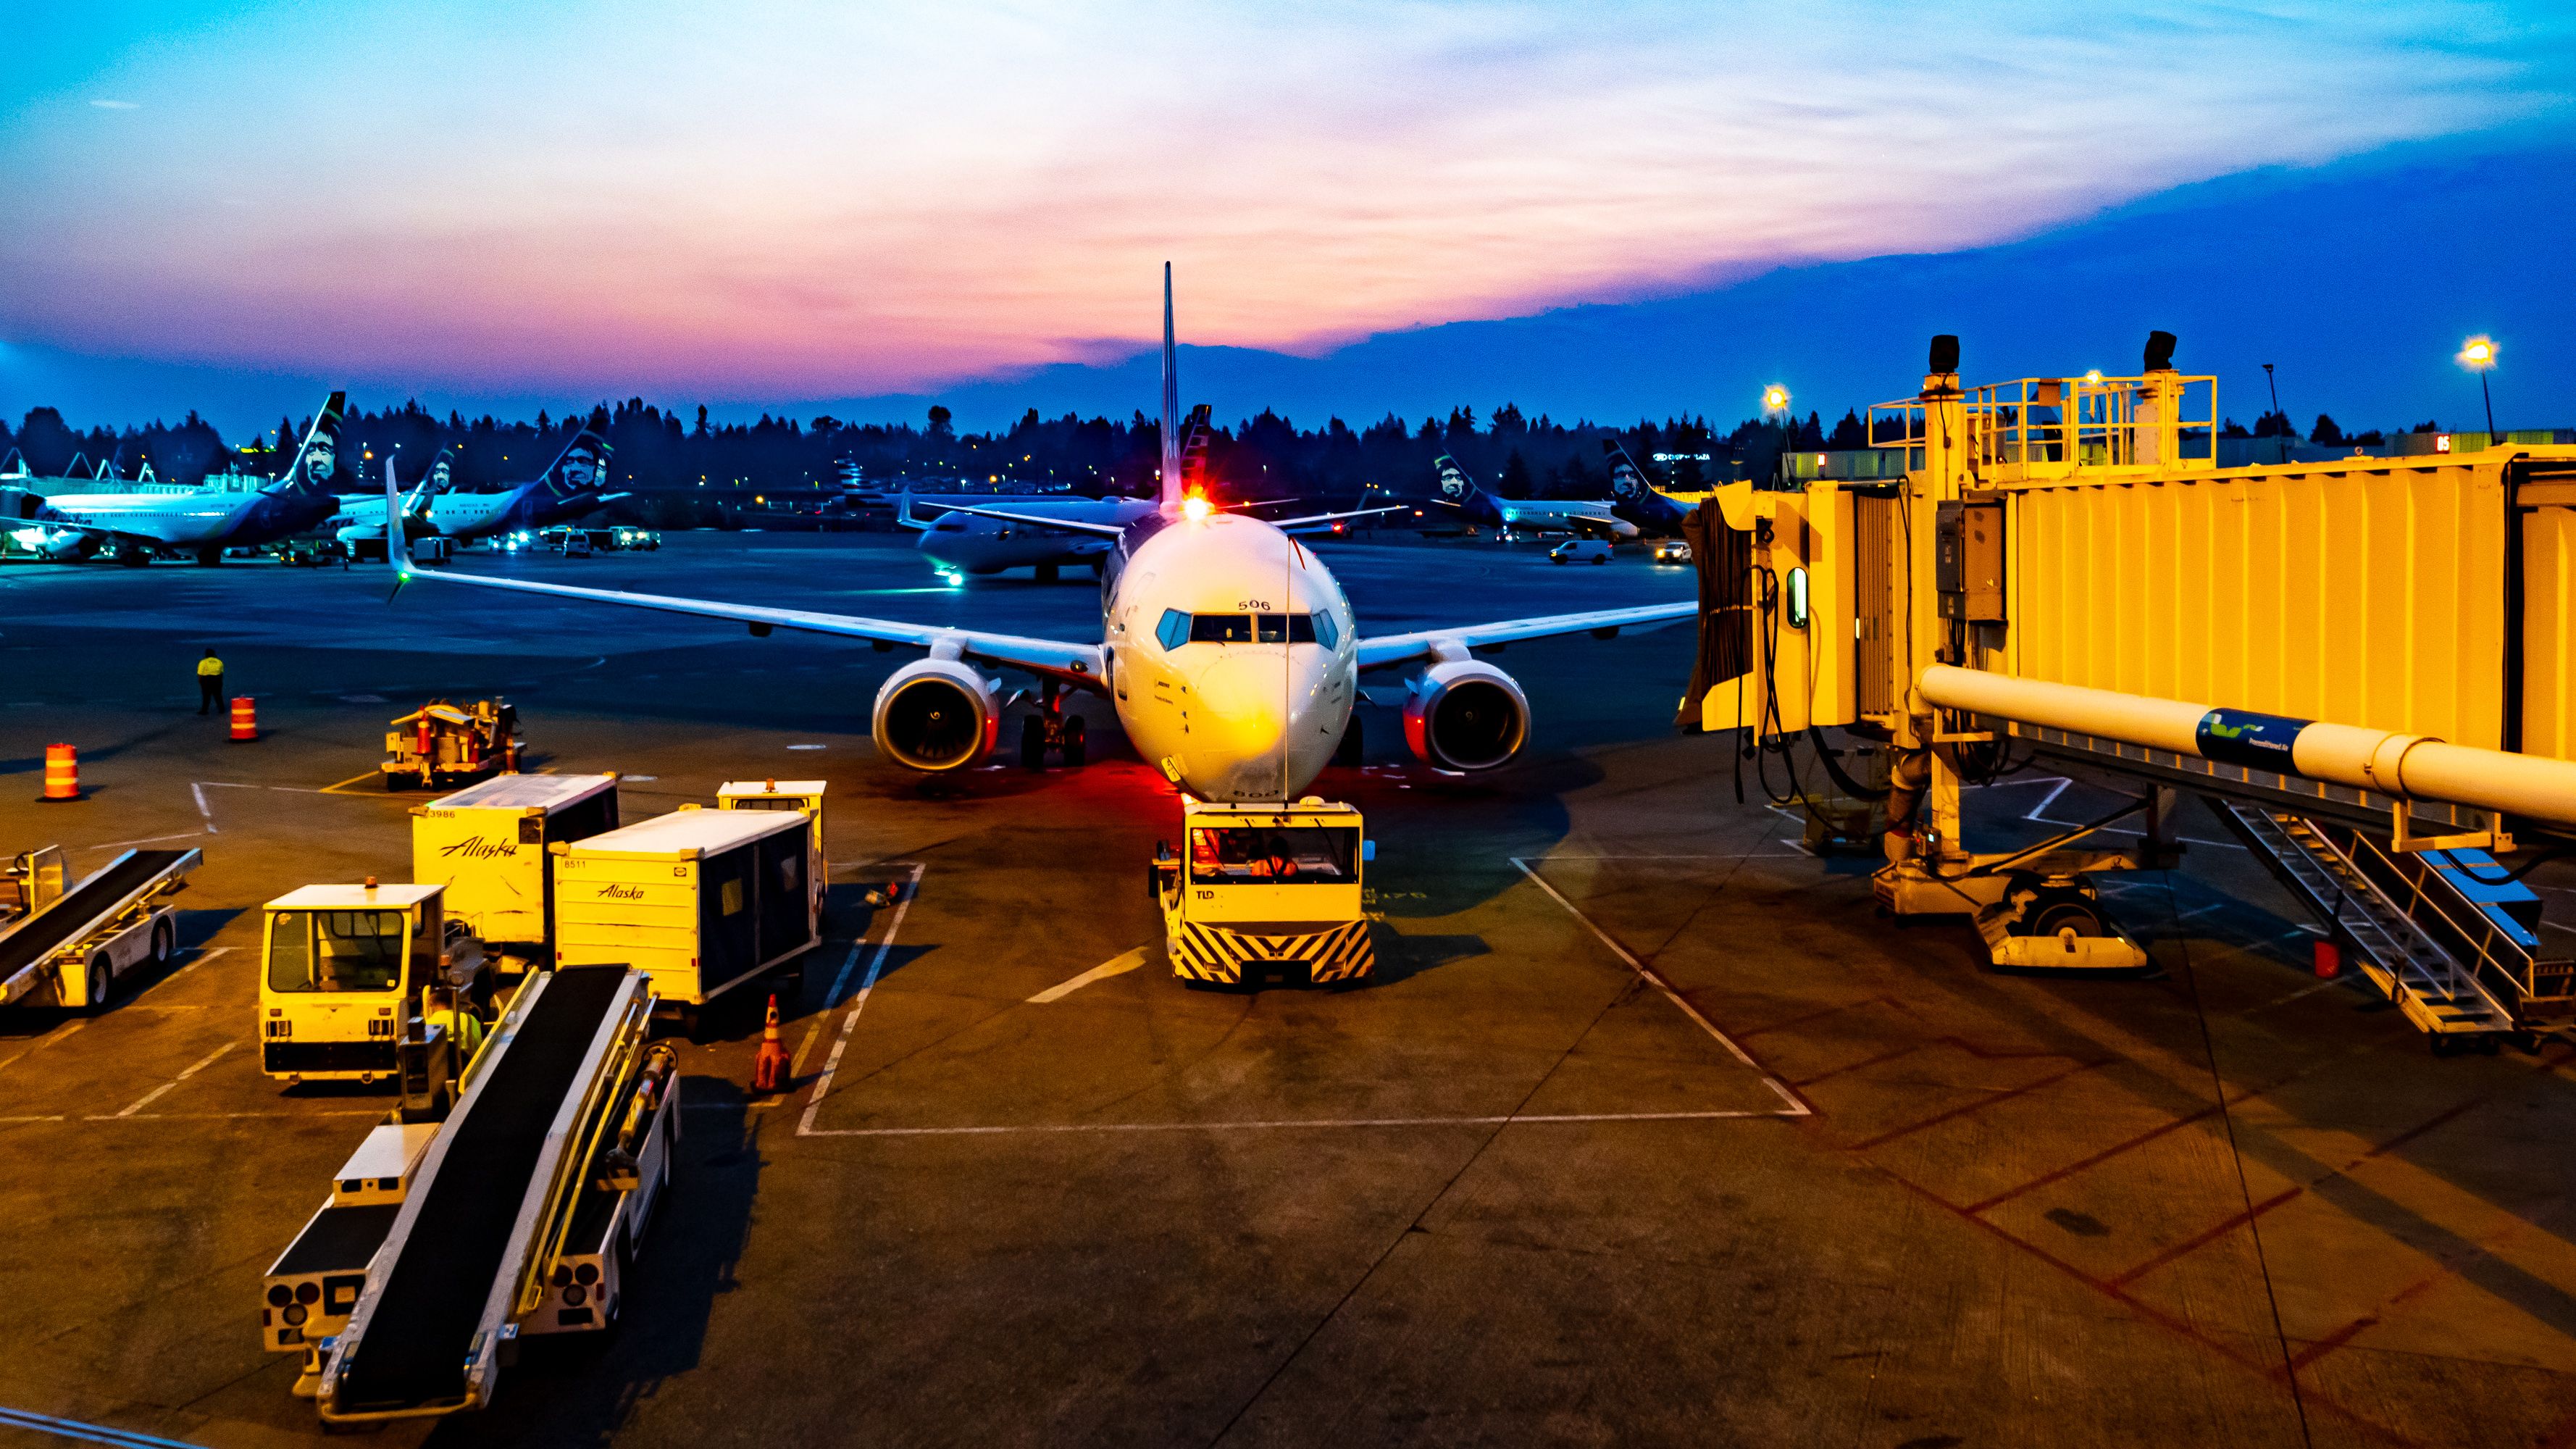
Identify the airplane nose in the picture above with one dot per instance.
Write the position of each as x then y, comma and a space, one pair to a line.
1246, 697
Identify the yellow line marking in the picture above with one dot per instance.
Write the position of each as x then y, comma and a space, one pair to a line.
342, 786
1117, 965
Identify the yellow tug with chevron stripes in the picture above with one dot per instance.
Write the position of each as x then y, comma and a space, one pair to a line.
1263, 892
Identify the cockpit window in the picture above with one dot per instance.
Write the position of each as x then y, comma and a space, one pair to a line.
1178, 628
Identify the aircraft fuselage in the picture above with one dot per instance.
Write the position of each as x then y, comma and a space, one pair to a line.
1233, 654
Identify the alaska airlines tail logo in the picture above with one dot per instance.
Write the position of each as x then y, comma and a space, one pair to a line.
1453, 483
319, 458
584, 464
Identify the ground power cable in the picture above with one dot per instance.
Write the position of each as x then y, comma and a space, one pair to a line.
2236, 1155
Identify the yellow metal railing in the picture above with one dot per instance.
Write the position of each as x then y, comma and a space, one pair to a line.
2050, 427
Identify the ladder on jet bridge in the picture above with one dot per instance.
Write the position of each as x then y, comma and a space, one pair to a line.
427, 1334
2443, 934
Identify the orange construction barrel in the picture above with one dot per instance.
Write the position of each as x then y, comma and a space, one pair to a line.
245, 719
62, 773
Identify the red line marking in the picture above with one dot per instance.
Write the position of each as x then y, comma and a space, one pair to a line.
2096, 1160
2231, 1223
1811, 1016
2270, 1372
1805, 1082
2332, 1341
2006, 1095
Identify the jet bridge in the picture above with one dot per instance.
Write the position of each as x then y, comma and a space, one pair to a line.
543, 1130
2368, 663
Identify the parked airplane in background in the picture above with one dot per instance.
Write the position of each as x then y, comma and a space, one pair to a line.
135, 526
1227, 650
961, 539
1634, 508
360, 522
1584, 519
566, 490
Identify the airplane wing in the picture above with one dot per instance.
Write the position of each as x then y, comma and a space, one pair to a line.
1318, 520
1100, 530
1079, 665
1075, 664
1393, 649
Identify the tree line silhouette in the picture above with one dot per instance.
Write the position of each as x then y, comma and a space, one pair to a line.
776, 458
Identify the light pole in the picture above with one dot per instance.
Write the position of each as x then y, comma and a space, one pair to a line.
1775, 404
2478, 355
2277, 413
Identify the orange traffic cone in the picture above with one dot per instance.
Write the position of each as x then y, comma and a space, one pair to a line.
62, 773
769, 1069
245, 719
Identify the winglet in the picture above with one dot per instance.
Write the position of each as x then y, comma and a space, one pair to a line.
397, 556
1171, 403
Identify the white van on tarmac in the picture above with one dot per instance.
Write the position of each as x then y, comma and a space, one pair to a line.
1581, 550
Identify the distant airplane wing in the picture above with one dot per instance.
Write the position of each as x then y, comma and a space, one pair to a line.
1075, 664
1319, 520
1038, 520
1392, 649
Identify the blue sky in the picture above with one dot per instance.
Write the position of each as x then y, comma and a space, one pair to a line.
1606, 210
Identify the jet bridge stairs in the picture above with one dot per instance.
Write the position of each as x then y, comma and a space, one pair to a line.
2446, 935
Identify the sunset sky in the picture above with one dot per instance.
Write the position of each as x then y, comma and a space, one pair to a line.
479, 201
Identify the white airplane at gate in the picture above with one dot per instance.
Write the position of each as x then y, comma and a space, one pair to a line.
1228, 651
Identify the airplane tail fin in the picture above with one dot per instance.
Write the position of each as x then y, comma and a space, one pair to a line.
1172, 480
583, 464
431, 483
318, 457
1455, 485
1627, 480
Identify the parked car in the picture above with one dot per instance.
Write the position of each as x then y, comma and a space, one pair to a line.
1581, 550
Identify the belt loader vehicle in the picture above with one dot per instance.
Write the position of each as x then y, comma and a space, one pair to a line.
1265, 891
703, 900
521, 1213
72, 944
487, 843
341, 972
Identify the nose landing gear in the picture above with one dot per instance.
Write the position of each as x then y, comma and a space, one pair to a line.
1052, 728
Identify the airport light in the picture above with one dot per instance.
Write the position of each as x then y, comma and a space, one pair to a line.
2478, 355
1194, 508
2093, 377
1775, 399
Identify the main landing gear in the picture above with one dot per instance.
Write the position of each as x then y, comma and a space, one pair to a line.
1051, 728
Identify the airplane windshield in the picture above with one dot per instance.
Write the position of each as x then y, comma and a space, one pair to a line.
1252, 628
1261, 855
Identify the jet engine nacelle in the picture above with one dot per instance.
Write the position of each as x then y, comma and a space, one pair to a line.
1465, 715
935, 715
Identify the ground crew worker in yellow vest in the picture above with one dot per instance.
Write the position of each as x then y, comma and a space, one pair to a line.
210, 681
439, 1008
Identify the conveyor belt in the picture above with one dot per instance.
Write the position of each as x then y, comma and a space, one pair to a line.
420, 1329
81, 907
